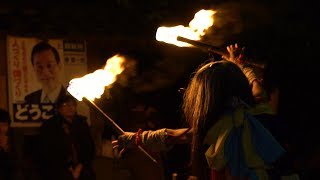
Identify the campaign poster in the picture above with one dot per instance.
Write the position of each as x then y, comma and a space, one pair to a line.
38, 75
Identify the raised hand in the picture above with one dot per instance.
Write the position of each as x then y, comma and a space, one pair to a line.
235, 53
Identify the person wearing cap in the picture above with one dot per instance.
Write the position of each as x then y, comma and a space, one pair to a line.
66, 143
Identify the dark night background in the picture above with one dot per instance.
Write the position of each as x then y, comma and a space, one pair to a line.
283, 33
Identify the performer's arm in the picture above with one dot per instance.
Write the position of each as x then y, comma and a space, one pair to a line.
158, 140
235, 56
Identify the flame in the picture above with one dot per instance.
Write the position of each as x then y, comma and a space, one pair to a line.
92, 85
202, 21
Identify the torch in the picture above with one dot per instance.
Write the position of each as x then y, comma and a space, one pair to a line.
213, 49
202, 46
114, 125
189, 36
92, 85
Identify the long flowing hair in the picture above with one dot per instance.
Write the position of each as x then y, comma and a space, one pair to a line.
207, 97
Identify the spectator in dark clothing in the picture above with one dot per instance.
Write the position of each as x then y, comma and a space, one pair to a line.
66, 144
6, 166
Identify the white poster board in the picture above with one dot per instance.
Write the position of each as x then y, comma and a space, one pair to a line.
24, 81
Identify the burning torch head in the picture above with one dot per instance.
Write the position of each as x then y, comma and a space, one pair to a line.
92, 85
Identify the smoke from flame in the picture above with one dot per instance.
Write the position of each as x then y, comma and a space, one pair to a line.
93, 85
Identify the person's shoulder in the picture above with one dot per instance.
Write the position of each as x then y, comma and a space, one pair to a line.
261, 108
4, 116
63, 90
51, 121
48, 121
35, 93
81, 119
62, 93
33, 97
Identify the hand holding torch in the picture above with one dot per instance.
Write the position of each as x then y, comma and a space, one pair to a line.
213, 49
115, 126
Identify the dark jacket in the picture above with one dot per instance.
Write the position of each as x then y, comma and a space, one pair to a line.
55, 147
35, 97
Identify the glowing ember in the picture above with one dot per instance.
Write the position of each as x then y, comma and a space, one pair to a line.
202, 21
92, 85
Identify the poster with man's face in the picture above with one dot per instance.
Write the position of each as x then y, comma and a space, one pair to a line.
37, 76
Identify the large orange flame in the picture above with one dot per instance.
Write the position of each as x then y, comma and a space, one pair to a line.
201, 22
93, 85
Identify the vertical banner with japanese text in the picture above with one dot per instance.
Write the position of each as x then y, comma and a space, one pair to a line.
37, 76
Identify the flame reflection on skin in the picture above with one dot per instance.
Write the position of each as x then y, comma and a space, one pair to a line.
93, 85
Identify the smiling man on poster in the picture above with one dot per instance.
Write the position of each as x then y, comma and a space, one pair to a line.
46, 64
39, 71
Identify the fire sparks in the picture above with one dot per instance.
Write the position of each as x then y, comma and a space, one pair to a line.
92, 85
202, 21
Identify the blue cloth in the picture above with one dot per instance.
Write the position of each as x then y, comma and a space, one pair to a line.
264, 143
235, 157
